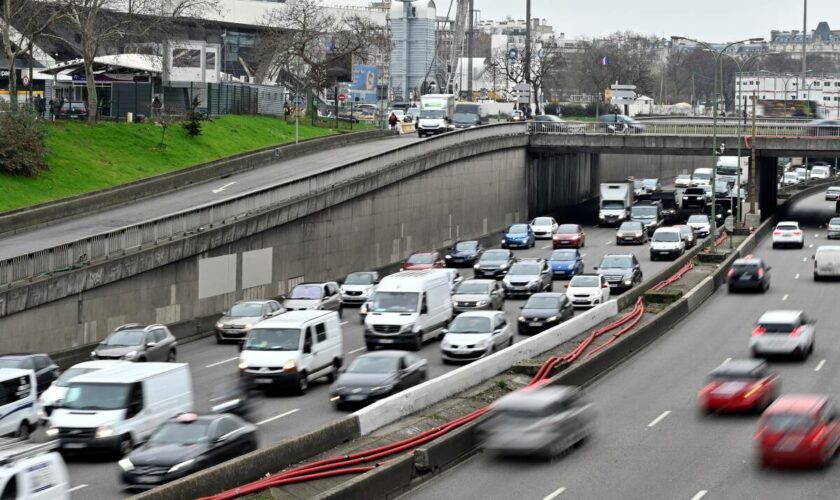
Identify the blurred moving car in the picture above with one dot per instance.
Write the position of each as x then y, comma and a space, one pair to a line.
832, 193
419, 261
134, 342
526, 277
238, 397
543, 311
798, 430
33, 471
320, 296
566, 263
833, 228
749, 273
687, 234
631, 232
516, 116
824, 128
454, 278
464, 253
377, 375
783, 332
518, 236
550, 123
620, 124
478, 294
683, 181
185, 444
788, 233
55, 393
358, 287
46, 371
789, 179
475, 334
588, 290
700, 224
739, 385
543, 422
622, 271
237, 321
544, 227
569, 235
494, 264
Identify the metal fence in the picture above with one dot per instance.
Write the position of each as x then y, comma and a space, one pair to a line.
132, 238
685, 129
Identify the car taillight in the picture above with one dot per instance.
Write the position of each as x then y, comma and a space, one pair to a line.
796, 331
797, 233
817, 437
761, 273
777, 233
730, 273
759, 331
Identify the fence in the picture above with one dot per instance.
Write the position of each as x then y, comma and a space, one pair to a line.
779, 130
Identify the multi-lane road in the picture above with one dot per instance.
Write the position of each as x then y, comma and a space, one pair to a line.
651, 441
282, 416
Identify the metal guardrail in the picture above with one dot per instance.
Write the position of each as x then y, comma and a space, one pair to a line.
667, 128
118, 242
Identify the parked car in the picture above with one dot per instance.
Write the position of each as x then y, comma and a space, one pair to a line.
324, 296
789, 333
588, 290
687, 235
358, 287
631, 232
494, 264
377, 375
526, 277
518, 236
464, 253
419, 261
566, 263
135, 342
667, 242
799, 430
749, 273
46, 371
739, 385
622, 271
788, 233
543, 311
237, 321
475, 334
544, 227
477, 294
73, 111
569, 235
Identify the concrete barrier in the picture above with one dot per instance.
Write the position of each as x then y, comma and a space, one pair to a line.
385, 481
447, 449
47, 213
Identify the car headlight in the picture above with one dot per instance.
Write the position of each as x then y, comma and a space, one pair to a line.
521, 318
445, 343
381, 389
126, 465
448, 256
243, 365
290, 365
407, 328
476, 267
503, 241
104, 431
92, 354
628, 282
551, 319
130, 355
482, 344
639, 234
182, 465
503, 265
366, 292
342, 290
363, 309
481, 303
219, 325
621, 216
248, 326
51, 431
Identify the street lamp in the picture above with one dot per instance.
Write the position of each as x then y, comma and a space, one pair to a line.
718, 70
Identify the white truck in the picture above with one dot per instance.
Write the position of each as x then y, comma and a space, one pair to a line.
616, 202
436, 111
728, 166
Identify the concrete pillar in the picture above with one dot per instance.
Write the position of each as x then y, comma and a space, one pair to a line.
768, 185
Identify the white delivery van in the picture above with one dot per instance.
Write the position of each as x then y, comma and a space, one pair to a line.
113, 409
57, 390
436, 111
827, 262
18, 394
409, 308
32, 471
820, 172
702, 177
293, 349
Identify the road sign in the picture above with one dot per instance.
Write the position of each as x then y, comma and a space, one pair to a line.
513, 53
25, 80
342, 97
541, 53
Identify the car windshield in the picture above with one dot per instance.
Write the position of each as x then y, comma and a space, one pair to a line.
612, 205
494, 256
685, 230
432, 113
834, 189
791, 175
649, 182
638, 183
563, 255
724, 374
88, 396
543, 303
542, 221
683, 177
745, 267
524, 268
777, 327
835, 221
307, 292
666, 236
644, 212
699, 219
518, 229
567, 229
359, 279
248, 309
10, 363
473, 287
786, 227
273, 339
702, 175
374, 364
180, 433
421, 259
71, 373
727, 170
585, 281
465, 117
789, 422
125, 338
400, 302
466, 246
470, 324
616, 262
630, 226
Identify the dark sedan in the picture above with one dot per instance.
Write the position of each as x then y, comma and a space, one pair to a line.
749, 274
185, 444
542, 311
463, 253
377, 375
631, 232
494, 264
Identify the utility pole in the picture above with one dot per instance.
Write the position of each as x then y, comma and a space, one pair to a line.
752, 163
804, 41
527, 61
470, 54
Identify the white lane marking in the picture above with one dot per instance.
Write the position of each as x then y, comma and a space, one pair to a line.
217, 363
344, 322
278, 416
727, 360
796, 277
546, 247
76, 488
354, 351
811, 245
817, 235
804, 259
219, 190
556, 493
785, 297
819, 366
659, 418
700, 494
608, 242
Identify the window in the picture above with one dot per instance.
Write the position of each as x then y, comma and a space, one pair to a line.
827, 84
159, 335
135, 400
816, 84
27, 364
14, 389
41, 363
320, 332
210, 59
224, 426
307, 341
186, 58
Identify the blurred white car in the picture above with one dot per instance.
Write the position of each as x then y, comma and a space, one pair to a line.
788, 233
700, 224
475, 334
783, 332
683, 181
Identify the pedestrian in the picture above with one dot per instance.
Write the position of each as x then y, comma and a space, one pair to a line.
156, 106
58, 105
392, 120
286, 110
52, 110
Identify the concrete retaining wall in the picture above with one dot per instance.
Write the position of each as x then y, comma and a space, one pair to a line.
615, 168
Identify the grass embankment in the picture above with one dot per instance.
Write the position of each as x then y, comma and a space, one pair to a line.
84, 158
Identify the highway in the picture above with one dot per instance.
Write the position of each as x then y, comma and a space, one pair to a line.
281, 416
80, 227
651, 441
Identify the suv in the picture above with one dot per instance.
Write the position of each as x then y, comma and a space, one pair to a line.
305, 296
528, 276
750, 273
46, 371
694, 197
622, 271
648, 213
783, 333
73, 111
788, 233
237, 321
135, 342
667, 242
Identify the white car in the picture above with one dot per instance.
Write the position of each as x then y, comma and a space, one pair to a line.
802, 174
832, 193
475, 334
399, 113
783, 332
588, 290
833, 229
788, 233
700, 224
544, 227
667, 242
820, 172
57, 390
682, 181
790, 178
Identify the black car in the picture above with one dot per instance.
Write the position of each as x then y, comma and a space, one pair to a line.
542, 311
377, 375
622, 271
494, 263
463, 253
694, 197
73, 111
648, 213
46, 371
185, 444
749, 273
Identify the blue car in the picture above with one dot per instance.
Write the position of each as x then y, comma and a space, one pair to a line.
566, 263
463, 253
518, 236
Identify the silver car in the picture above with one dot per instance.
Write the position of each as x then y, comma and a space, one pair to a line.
833, 229
789, 333
237, 321
314, 296
473, 295
357, 287
528, 276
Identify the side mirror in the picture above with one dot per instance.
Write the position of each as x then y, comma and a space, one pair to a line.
813, 257
58, 403
220, 439
566, 285
769, 268
151, 344
241, 346
444, 331
595, 268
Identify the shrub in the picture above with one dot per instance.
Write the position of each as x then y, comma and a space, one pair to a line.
194, 119
22, 148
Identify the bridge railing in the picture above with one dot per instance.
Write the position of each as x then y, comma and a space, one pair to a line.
786, 130
134, 237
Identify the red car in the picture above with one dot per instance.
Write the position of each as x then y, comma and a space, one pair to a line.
739, 385
422, 260
569, 235
798, 430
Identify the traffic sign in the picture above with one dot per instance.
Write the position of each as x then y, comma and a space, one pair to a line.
342, 97
25, 80
513, 53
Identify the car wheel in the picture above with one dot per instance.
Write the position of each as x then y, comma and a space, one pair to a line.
340, 312
125, 446
219, 339
418, 342
510, 341
333, 373
303, 383
23, 431
550, 287
141, 360
801, 245
775, 245
171, 356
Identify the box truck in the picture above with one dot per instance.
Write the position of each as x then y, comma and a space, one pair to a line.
616, 200
436, 111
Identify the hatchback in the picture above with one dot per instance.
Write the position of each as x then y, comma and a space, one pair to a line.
473, 335
788, 233
566, 263
833, 229
749, 274
569, 235
798, 430
518, 236
832, 193
543, 311
788, 333
631, 232
528, 276
477, 294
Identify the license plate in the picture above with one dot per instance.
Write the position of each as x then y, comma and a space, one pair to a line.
147, 479
263, 380
746, 277
74, 446
662, 252
534, 323
564, 242
355, 397
628, 238
386, 341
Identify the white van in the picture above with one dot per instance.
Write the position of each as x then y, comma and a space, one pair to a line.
820, 172
18, 394
827, 261
57, 390
702, 177
409, 308
113, 409
293, 349
32, 471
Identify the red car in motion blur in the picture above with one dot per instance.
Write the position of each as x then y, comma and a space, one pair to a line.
569, 235
739, 385
798, 430
419, 261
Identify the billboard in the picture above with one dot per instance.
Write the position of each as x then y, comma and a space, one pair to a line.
365, 82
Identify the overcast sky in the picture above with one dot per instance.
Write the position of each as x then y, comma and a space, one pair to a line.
707, 20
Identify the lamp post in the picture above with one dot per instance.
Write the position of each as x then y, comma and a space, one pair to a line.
718, 70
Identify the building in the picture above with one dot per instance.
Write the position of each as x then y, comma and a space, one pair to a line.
413, 62
824, 90
822, 40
